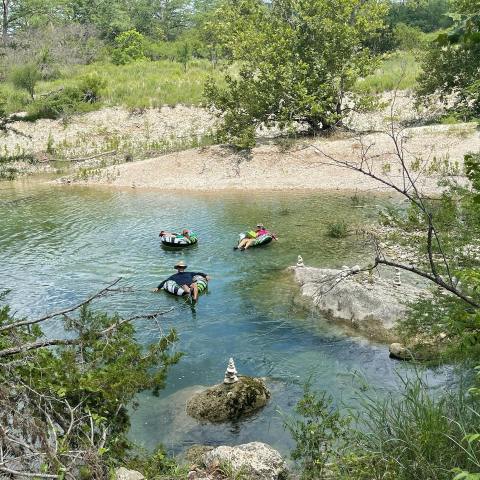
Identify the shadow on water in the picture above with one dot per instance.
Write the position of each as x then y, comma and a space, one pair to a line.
57, 245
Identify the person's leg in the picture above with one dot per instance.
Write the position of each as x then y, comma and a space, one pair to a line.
249, 243
243, 242
194, 288
187, 289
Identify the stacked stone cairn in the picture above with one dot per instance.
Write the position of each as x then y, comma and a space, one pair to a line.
231, 373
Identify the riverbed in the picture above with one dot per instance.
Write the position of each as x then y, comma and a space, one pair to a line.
60, 244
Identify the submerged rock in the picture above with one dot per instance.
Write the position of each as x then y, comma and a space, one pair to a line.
399, 351
225, 402
255, 460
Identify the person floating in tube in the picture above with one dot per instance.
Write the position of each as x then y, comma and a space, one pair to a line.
187, 281
252, 236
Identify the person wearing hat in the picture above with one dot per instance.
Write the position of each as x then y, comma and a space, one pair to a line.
185, 280
250, 238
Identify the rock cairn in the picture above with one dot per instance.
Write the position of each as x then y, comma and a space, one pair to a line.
231, 373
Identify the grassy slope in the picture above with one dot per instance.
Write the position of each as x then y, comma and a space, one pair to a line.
398, 70
136, 85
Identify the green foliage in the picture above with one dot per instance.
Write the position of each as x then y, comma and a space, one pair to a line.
398, 70
91, 86
156, 465
472, 170
297, 61
26, 77
409, 434
452, 62
184, 54
316, 430
441, 321
89, 384
128, 47
64, 102
408, 38
426, 16
337, 229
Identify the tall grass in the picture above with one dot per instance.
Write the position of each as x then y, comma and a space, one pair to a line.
398, 70
146, 84
140, 84
419, 436
412, 434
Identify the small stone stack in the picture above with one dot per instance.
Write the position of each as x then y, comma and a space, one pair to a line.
231, 373
398, 282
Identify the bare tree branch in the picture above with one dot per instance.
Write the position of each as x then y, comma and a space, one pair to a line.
61, 312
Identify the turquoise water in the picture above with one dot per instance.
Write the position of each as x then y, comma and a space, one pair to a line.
60, 244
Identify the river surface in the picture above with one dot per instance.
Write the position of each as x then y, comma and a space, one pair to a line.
60, 244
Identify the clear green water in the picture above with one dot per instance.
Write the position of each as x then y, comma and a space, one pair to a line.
57, 245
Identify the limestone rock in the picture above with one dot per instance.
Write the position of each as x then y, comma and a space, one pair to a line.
256, 461
123, 473
195, 453
397, 350
371, 306
225, 402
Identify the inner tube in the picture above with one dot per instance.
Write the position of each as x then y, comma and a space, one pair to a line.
175, 289
179, 240
259, 241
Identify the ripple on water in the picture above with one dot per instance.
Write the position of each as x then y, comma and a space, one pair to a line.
58, 245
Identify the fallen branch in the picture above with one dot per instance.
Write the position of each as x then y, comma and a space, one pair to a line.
84, 159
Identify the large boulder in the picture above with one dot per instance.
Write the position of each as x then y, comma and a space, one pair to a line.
226, 402
123, 473
255, 460
370, 305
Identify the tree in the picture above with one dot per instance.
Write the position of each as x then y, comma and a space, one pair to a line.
443, 232
297, 60
63, 409
129, 46
452, 63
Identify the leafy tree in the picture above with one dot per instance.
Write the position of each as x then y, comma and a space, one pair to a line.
64, 400
129, 46
426, 15
452, 63
297, 59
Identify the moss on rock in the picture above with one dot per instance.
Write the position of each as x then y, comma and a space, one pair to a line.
224, 402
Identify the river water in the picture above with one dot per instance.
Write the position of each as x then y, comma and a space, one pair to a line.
60, 244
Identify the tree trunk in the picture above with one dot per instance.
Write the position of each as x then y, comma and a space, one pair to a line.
5, 5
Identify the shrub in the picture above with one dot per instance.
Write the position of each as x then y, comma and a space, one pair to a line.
62, 102
91, 85
337, 229
129, 46
26, 77
316, 432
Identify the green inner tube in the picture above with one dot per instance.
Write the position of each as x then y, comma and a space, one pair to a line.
259, 241
179, 240
175, 289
